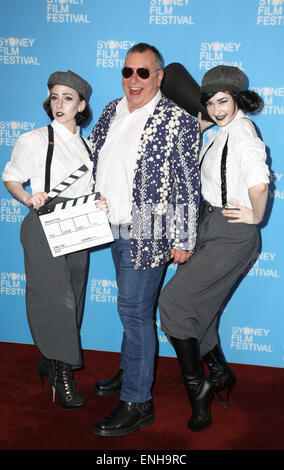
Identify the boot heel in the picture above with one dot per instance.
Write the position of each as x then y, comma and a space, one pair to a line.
224, 403
53, 392
42, 380
44, 368
229, 387
221, 376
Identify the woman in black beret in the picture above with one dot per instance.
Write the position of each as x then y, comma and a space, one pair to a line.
55, 286
234, 186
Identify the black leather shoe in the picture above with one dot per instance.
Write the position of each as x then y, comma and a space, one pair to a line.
110, 387
125, 419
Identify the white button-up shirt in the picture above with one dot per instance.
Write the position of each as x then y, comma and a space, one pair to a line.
246, 165
117, 159
29, 158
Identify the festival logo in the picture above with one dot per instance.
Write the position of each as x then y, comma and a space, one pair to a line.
219, 53
17, 51
272, 99
12, 211
103, 290
66, 11
13, 284
11, 130
248, 339
265, 266
270, 13
111, 53
170, 12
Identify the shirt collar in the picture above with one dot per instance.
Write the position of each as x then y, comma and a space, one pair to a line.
64, 133
149, 107
226, 128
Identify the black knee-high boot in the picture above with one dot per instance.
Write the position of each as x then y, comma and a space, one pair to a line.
199, 389
221, 376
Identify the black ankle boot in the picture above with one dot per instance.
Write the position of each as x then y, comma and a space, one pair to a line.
221, 376
110, 387
126, 418
199, 389
61, 379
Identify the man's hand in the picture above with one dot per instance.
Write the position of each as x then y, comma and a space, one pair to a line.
102, 204
180, 256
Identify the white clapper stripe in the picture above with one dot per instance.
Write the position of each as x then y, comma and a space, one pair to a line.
66, 183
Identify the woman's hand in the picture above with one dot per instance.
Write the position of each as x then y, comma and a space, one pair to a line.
241, 214
35, 200
203, 125
258, 197
102, 204
17, 190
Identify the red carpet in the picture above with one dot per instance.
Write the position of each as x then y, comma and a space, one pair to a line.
29, 421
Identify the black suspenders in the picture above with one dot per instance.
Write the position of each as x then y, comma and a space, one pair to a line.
223, 170
50, 154
49, 158
86, 146
224, 174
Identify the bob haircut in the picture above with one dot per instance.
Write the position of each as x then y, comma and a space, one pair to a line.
80, 118
247, 100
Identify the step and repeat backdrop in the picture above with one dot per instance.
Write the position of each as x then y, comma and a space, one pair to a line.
91, 37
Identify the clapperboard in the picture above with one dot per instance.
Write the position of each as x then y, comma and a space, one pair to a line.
75, 224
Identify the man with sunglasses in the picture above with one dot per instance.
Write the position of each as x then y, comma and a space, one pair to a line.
145, 163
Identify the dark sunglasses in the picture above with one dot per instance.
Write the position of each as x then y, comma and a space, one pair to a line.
141, 72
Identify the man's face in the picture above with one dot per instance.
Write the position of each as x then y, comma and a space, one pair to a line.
139, 91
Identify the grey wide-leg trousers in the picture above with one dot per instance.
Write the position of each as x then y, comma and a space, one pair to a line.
191, 302
55, 294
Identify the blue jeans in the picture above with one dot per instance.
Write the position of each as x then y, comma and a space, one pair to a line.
137, 295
